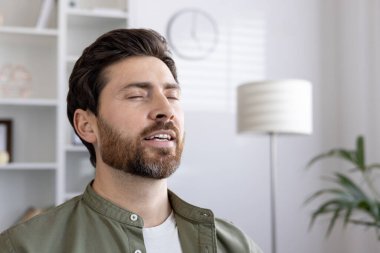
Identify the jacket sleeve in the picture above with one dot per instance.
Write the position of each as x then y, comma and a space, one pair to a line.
232, 239
5, 243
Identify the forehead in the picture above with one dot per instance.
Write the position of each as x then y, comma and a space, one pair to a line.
138, 69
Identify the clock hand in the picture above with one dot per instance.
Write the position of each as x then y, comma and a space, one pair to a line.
193, 31
193, 26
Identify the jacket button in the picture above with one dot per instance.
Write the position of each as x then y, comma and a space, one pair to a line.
138, 251
134, 218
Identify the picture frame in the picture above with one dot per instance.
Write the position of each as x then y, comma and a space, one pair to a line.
6, 137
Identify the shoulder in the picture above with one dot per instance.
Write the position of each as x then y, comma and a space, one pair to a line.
232, 239
5, 243
229, 238
36, 230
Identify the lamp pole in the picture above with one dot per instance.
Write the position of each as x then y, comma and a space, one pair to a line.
273, 155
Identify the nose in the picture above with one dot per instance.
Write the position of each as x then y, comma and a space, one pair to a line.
162, 110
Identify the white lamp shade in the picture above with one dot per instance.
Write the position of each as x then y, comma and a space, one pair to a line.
283, 106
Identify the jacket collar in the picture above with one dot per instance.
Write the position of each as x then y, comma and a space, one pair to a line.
190, 212
180, 207
195, 225
109, 209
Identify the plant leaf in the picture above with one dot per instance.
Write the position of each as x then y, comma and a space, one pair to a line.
335, 191
332, 221
365, 223
346, 197
373, 166
347, 216
371, 208
327, 207
350, 186
365, 206
360, 153
346, 155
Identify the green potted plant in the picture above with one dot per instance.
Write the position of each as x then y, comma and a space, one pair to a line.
345, 199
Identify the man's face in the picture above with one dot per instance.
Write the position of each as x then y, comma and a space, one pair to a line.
140, 119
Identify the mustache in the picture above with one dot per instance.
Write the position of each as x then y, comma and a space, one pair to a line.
160, 126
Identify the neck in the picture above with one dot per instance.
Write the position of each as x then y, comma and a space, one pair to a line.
146, 197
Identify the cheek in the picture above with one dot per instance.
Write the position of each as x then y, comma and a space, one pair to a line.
127, 122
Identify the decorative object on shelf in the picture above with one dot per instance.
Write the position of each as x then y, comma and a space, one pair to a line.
43, 18
275, 107
345, 200
5, 141
15, 81
73, 3
192, 33
4, 157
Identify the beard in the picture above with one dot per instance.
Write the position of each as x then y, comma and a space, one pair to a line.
128, 154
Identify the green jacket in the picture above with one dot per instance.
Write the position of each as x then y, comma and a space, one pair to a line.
89, 223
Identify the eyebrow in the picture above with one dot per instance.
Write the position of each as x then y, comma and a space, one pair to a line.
148, 85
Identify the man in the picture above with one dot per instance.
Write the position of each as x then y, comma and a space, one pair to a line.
124, 104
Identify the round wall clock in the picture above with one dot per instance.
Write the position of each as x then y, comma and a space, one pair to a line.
192, 34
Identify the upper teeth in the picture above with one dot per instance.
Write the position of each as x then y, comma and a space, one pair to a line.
160, 136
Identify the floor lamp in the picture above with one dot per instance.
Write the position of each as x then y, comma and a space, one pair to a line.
275, 107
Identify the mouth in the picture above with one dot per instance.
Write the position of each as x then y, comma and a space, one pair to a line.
162, 138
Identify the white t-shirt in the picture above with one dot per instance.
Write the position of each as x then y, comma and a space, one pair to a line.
163, 238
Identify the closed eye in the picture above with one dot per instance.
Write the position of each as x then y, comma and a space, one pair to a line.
173, 94
172, 98
135, 97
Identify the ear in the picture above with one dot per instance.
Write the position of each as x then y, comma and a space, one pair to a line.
85, 125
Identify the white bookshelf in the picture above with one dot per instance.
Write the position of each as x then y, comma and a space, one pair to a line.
76, 148
29, 102
29, 166
28, 31
47, 168
98, 13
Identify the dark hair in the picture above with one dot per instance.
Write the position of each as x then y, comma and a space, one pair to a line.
87, 79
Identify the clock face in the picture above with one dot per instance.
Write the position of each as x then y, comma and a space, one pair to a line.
192, 34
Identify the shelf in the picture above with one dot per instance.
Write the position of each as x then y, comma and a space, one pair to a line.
47, 169
28, 102
28, 31
76, 148
84, 30
28, 166
100, 13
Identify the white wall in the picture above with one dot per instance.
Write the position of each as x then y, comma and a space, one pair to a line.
358, 90
325, 42
294, 52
